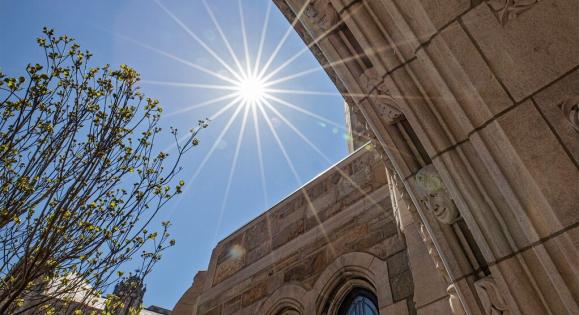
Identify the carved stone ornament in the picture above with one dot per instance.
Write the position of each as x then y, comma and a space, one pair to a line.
381, 97
570, 108
322, 14
509, 9
359, 125
369, 79
438, 264
388, 113
454, 301
490, 297
434, 195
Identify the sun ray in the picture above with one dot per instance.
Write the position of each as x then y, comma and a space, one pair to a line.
248, 72
213, 117
197, 39
296, 176
319, 152
199, 105
262, 37
190, 85
223, 37
201, 166
324, 66
314, 42
320, 93
313, 115
297, 108
262, 173
175, 58
260, 156
232, 169
224, 109
289, 30
304, 111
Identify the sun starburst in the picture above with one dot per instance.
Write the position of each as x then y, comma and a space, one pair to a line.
252, 90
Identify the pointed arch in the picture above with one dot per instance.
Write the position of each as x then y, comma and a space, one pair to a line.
355, 270
289, 297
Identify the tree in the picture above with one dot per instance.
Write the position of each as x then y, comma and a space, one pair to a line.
80, 179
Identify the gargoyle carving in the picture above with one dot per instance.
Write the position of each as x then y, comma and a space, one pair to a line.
434, 195
322, 14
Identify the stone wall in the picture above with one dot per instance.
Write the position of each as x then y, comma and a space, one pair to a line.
342, 219
476, 105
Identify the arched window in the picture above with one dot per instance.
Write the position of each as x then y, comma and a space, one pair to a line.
288, 311
359, 302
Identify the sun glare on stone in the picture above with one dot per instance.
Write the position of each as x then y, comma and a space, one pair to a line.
251, 90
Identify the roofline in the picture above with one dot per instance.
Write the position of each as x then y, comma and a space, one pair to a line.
349, 157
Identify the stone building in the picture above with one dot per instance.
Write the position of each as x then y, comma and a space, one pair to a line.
468, 201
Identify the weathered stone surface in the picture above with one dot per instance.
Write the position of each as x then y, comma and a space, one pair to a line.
258, 291
543, 172
260, 251
255, 233
549, 102
290, 232
426, 17
398, 263
227, 268
401, 285
438, 307
232, 306
398, 308
461, 85
532, 50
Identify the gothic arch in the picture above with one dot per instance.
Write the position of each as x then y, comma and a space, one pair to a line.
287, 297
349, 271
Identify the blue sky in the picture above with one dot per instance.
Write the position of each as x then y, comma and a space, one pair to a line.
137, 32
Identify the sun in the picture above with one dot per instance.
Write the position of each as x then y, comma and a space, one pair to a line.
251, 90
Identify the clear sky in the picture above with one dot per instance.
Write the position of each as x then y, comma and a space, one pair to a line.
164, 46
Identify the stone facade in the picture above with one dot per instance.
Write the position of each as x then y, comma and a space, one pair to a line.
474, 105
336, 232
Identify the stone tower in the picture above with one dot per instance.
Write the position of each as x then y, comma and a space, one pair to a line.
130, 291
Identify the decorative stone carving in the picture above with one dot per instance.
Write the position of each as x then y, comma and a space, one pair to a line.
434, 195
322, 14
454, 301
438, 265
510, 9
490, 297
358, 126
369, 79
378, 92
388, 113
570, 108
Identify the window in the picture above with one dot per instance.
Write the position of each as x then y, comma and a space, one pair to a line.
359, 302
288, 311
